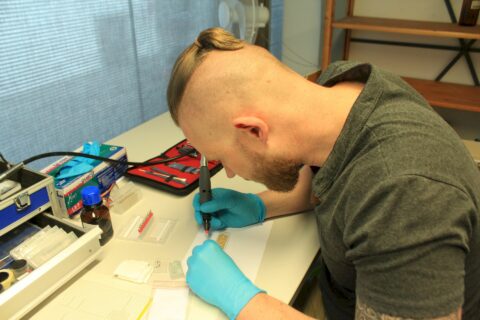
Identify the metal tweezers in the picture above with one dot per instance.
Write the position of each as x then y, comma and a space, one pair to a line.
165, 175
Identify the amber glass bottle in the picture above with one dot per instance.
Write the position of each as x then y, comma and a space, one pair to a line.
469, 13
94, 213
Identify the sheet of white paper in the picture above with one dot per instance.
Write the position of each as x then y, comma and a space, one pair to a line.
169, 304
96, 298
245, 246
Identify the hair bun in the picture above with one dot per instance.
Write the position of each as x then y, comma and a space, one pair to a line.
217, 38
204, 41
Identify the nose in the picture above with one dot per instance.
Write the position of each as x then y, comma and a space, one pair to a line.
229, 172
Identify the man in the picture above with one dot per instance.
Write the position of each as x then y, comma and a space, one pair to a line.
397, 196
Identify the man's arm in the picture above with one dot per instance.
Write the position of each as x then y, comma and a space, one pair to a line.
263, 306
297, 200
364, 312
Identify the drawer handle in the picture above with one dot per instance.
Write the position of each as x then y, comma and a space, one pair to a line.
22, 201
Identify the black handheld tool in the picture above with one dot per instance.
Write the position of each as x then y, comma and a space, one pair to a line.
205, 192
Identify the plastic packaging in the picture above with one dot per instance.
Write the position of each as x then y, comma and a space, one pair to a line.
125, 197
134, 270
95, 213
147, 227
42, 246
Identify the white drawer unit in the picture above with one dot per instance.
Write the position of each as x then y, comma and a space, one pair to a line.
28, 292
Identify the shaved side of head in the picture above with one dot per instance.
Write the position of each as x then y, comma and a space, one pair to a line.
212, 39
218, 74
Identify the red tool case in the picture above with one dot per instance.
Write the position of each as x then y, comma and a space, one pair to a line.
178, 176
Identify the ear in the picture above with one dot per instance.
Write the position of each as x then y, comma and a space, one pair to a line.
253, 127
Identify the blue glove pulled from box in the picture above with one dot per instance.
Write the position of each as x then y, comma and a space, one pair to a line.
230, 209
79, 165
214, 277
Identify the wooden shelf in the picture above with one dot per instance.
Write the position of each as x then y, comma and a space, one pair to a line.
421, 28
448, 95
438, 94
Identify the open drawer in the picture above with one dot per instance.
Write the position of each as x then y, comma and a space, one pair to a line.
28, 292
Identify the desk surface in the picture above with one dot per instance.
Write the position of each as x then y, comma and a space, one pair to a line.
290, 249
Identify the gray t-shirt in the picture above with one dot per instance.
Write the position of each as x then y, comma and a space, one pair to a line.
399, 203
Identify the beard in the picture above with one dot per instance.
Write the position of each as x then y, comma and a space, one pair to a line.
276, 174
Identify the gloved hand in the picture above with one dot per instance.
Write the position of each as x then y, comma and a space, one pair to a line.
230, 209
213, 276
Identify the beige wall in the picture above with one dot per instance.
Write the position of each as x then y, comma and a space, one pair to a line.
301, 35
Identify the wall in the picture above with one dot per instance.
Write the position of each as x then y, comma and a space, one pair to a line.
301, 35
73, 71
275, 27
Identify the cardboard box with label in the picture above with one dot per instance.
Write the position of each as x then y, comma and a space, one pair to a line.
103, 175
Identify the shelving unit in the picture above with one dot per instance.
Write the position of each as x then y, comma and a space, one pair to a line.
438, 94
420, 28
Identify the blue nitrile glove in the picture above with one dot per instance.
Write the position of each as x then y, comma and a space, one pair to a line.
231, 209
80, 165
213, 276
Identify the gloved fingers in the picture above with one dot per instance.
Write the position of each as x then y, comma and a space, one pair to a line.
227, 197
213, 205
196, 201
219, 201
202, 250
196, 207
217, 224
198, 216
189, 261
188, 278
197, 250
209, 244
220, 192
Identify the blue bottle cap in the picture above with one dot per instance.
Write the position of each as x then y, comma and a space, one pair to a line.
91, 196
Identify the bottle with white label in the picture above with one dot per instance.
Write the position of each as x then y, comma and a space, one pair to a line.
95, 213
469, 13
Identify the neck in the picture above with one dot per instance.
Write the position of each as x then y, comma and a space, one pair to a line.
325, 111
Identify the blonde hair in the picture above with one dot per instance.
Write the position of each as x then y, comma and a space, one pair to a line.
208, 40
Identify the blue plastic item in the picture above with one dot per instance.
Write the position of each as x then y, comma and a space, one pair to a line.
91, 196
80, 165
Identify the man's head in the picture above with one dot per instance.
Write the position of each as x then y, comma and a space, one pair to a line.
229, 99
188, 61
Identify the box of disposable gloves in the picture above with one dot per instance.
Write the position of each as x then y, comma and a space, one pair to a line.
72, 174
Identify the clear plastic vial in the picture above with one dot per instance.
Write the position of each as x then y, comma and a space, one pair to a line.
95, 213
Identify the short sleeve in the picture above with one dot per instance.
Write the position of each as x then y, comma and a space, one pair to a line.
408, 239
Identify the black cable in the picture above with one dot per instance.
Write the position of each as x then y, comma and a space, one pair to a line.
3, 159
133, 164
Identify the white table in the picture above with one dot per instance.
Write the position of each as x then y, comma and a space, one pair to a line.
291, 247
